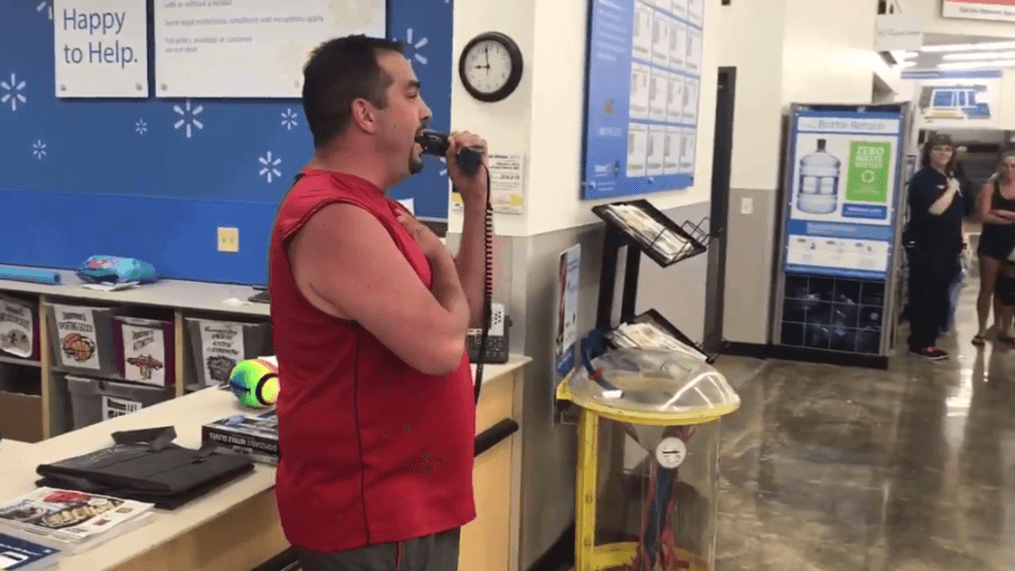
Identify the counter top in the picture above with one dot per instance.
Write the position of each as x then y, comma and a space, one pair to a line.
177, 294
186, 414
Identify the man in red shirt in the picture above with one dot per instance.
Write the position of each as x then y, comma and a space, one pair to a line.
370, 314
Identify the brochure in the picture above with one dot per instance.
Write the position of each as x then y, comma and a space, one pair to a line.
69, 516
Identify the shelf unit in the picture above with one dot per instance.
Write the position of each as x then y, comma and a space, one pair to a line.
44, 411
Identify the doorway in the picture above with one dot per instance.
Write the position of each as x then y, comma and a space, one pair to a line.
722, 156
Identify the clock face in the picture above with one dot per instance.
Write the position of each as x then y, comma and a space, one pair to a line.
487, 66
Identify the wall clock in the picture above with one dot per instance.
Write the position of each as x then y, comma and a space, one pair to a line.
490, 66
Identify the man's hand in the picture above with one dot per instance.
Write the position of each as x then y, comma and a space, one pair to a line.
427, 241
472, 187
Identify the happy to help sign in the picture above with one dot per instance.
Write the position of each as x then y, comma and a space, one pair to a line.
101, 48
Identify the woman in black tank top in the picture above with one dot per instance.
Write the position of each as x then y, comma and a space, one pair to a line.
996, 206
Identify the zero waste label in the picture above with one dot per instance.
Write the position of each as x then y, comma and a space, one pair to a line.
867, 179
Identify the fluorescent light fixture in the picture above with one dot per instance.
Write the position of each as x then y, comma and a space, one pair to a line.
969, 47
978, 56
977, 64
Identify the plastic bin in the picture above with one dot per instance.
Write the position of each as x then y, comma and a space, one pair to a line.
145, 350
19, 328
96, 400
82, 338
217, 346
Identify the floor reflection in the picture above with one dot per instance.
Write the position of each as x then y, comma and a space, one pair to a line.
830, 468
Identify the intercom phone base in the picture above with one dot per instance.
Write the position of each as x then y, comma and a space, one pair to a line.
497, 341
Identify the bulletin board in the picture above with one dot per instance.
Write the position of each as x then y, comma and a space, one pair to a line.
151, 177
643, 88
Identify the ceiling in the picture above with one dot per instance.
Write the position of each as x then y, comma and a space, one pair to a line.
930, 60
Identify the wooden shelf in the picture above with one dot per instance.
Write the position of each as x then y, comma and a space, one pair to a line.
175, 300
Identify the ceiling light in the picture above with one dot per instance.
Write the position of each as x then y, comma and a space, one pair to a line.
969, 47
978, 55
977, 64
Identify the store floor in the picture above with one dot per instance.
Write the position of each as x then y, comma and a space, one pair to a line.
830, 468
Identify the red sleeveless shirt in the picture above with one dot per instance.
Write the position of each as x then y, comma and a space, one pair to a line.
372, 451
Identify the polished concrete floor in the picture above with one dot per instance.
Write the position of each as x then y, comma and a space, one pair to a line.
829, 468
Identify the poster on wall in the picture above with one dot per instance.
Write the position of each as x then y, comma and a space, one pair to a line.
566, 318
843, 175
254, 48
997, 10
643, 86
956, 99
101, 48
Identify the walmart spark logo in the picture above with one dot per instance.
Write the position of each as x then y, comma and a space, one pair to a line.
417, 46
141, 127
39, 149
289, 119
47, 6
12, 92
270, 166
188, 117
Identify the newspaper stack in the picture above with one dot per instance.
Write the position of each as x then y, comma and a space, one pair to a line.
72, 517
649, 336
666, 241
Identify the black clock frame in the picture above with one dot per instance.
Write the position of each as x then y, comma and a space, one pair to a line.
516, 67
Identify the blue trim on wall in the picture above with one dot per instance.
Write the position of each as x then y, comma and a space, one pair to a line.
153, 178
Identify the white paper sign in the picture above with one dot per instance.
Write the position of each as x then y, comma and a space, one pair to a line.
254, 48
17, 330
101, 48
75, 327
144, 355
222, 349
507, 182
114, 407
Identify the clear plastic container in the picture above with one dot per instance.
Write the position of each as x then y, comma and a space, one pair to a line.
647, 494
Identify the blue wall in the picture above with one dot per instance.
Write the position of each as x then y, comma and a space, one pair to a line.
80, 177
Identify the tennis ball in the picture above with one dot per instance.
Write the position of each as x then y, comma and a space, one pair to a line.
255, 383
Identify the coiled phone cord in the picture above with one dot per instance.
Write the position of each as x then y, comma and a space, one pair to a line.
487, 285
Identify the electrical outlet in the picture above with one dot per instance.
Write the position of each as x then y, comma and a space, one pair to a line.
747, 206
229, 239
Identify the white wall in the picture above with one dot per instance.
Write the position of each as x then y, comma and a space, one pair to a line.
543, 119
750, 38
828, 51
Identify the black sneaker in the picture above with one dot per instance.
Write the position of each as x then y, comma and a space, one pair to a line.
930, 353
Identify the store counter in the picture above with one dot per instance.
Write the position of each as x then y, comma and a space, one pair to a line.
236, 527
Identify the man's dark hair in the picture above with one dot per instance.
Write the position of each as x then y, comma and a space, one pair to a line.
338, 72
937, 140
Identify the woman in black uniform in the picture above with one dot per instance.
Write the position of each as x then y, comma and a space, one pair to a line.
935, 235
997, 240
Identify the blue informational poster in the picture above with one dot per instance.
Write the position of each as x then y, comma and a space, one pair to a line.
844, 172
642, 93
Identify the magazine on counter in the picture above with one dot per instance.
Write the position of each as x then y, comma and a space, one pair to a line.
19, 554
71, 516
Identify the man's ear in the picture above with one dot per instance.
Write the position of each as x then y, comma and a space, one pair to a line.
364, 115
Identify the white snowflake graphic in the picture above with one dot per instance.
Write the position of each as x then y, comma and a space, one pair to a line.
188, 117
39, 149
289, 119
270, 166
417, 46
141, 127
12, 92
47, 6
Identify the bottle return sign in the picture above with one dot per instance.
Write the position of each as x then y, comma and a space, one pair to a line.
101, 53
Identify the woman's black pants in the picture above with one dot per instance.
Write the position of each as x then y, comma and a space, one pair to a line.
931, 275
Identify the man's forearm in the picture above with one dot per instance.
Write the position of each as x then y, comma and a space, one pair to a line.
471, 262
447, 290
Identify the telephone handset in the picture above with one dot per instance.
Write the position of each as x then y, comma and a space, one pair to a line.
469, 159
